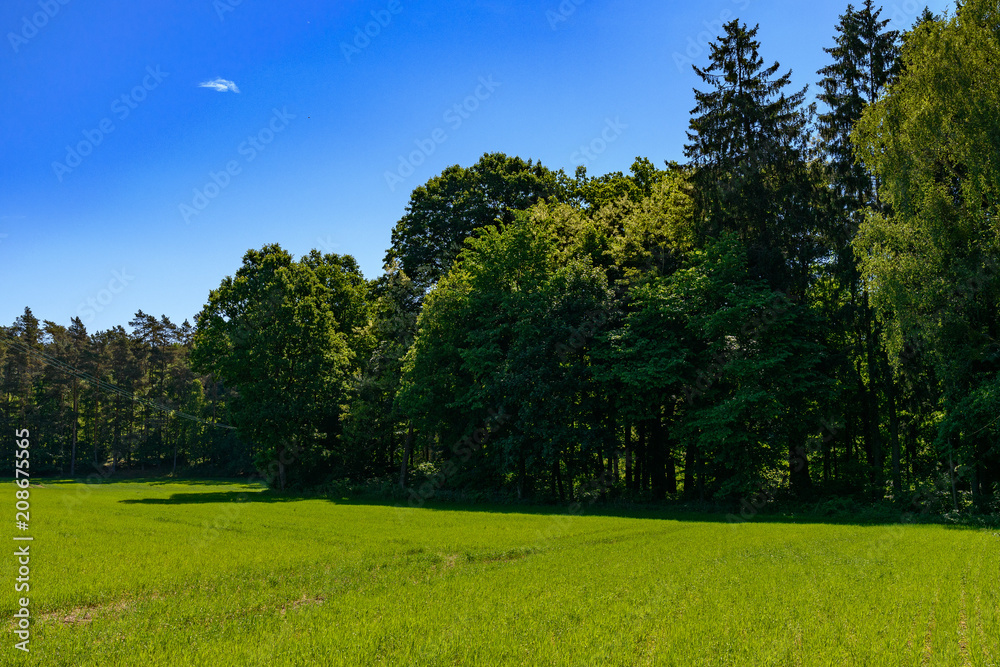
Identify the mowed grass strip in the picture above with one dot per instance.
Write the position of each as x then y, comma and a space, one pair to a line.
149, 573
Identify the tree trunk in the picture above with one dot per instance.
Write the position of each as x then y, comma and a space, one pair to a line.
570, 480
76, 419
97, 416
281, 468
629, 481
700, 462
877, 457
690, 456
614, 467
954, 484
657, 445
644, 455
522, 475
558, 478
671, 464
977, 489
407, 455
897, 476
798, 466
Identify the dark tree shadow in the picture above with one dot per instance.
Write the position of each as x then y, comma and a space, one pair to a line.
665, 512
104, 478
248, 496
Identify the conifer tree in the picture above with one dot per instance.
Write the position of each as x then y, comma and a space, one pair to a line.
865, 63
749, 147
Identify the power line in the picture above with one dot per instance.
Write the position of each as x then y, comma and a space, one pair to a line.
102, 385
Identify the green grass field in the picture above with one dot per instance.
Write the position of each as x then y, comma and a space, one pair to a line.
153, 573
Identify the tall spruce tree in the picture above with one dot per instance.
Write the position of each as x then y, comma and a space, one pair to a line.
750, 150
865, 62
749, 146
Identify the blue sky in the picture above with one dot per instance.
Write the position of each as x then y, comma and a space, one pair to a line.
125, 184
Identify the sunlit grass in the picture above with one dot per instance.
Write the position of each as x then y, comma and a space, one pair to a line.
209, 574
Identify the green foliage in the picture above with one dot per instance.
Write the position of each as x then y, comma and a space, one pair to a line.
452, 206
373, 420
931, 258
489, 341
272, 332
803, 309
749, 146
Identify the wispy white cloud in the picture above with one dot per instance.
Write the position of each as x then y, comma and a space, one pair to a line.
221, 85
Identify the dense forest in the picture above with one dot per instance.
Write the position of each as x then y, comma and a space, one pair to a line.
806, 308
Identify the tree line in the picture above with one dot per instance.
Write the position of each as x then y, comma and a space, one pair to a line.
806, 307
112, 398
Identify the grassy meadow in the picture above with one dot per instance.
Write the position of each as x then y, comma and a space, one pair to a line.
214, 573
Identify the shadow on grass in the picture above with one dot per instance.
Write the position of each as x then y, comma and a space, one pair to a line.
665, 512
151, 481
248, 496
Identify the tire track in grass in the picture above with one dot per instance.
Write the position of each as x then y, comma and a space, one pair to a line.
963, 625
928, 652
918, 614
86, 613
656, 636
978, 608
305, 600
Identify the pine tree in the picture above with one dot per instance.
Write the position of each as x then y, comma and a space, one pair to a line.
749, 147
865, 63
21, 368
79, 341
